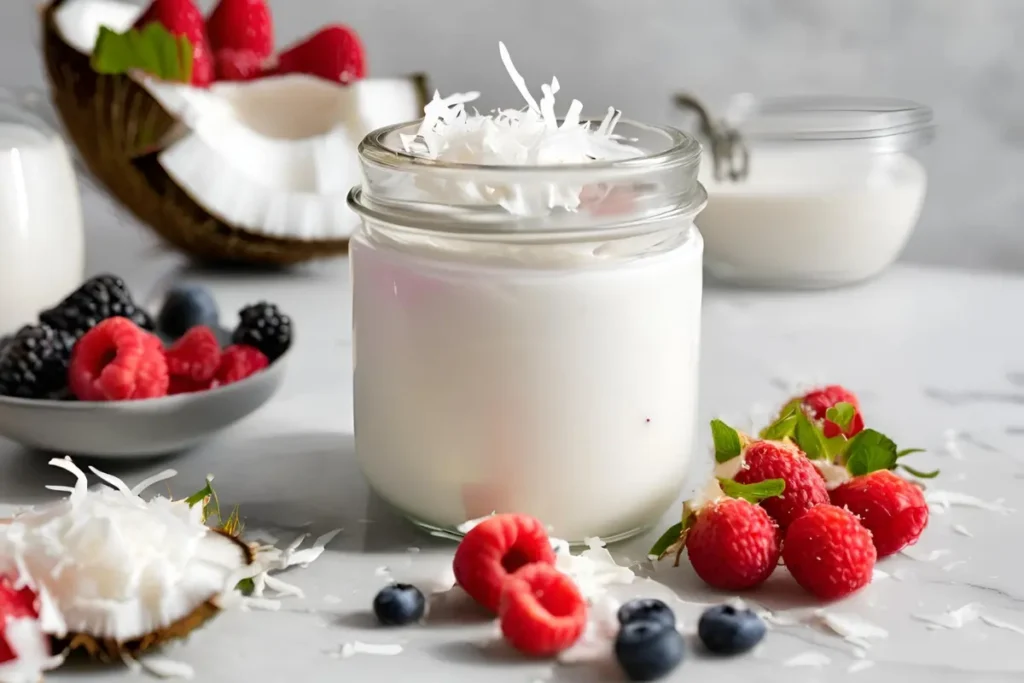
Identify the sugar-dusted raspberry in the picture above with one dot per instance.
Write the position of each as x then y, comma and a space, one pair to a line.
733, 544
818, 402
805, 487
892, 509
238, 362
829, 552
495, 548
542, 611
193, 360
118, 361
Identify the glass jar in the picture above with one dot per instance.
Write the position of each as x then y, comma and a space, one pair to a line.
42, 243
810, 191
540, 361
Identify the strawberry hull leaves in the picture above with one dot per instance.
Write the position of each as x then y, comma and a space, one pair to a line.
666, 541
841, 414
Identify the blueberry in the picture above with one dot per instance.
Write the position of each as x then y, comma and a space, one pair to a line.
185, 307
730, 630
399, 604
646, 609
648, 650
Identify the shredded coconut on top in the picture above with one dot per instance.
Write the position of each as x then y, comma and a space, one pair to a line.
531, 136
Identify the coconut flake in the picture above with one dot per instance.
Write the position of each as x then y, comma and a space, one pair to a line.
962, 530
953, 619
943, 500
31, 649
593, 570
834, 475
162, 667
809, 659
303, 558
598, 637
924, 557
850, 626
508, 137
859, 666
357, 647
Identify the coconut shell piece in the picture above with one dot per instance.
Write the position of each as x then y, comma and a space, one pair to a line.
116, 126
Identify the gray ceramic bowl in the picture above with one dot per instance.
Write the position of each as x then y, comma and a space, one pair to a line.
136, 429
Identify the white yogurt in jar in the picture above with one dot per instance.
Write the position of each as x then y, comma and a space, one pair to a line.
567, 392
42, 251
814, 217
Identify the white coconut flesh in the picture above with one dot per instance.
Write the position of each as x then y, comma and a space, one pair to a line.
106, 563
275, 156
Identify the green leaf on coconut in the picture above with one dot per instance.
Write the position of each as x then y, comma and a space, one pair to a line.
753, 493
153, 49
727, 441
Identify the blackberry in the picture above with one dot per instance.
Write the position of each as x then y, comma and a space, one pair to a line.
99, 298
35, 363
263, 326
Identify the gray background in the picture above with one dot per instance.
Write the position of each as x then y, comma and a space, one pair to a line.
959, 57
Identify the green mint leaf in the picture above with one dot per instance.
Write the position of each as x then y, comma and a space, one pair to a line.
666, 540
920, 474
870, 451
152, 50
201, 495
785, 424
908, 451
727, 441
809, 438
841, 414
754, 493
246, 586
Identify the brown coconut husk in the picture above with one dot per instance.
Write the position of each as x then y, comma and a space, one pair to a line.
112, 650
117, 126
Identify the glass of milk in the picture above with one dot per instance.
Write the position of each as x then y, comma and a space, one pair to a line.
544, 365
42, 254
808, 192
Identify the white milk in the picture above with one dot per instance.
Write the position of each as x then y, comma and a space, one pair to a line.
820, 217
566, 393
41, 242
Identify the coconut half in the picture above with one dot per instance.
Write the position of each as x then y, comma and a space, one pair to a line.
116, 574
253, 171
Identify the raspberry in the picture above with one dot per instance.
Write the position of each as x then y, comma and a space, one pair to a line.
778, 460
495, 548
733, 544
892, 509
14, 604
238, 362
819, 401
117, 361
541, 610
193, 360
829, 552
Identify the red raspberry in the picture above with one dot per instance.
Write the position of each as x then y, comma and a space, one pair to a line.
495, 548
890, 507
14, 604
805, 487
819, 401
118, 361
193, 360
542, 611
238, 362
829, 552
733, 544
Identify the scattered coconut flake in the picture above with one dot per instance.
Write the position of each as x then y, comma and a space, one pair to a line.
598, 637
357, 647
509, 137
952, 619
282, 588
809, 659
943, 500
150, 481
383, 571
469, 524
953, 565
951, 446
412, 549
834, 475
962, 530
878, 574
593, 570
999, 623
859, 666
776, 618
303, 558
442, 582
261, 536
162, 667
332, 599
924, 557
849, 626
31, 648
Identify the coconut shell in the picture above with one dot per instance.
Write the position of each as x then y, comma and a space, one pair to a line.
117, 126
112, 650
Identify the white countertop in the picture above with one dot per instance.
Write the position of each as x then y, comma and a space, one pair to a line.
935, 356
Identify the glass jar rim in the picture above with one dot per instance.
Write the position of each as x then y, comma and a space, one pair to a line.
680, 148
886, 121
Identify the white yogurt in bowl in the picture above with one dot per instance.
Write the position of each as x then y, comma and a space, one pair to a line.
526, 318
830, 194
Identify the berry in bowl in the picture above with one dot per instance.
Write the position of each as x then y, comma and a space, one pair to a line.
99, 376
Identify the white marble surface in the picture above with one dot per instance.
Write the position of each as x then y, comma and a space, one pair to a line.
929, 351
